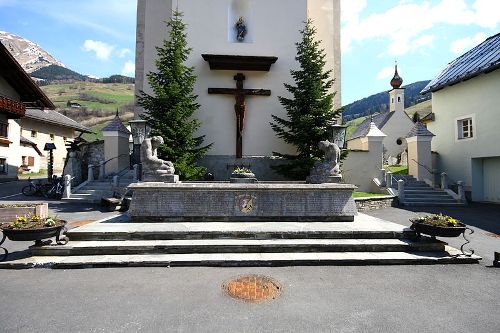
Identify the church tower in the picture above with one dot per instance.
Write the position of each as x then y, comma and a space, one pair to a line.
242, 53
397, 94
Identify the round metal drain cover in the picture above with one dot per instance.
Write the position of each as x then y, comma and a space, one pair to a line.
252, 288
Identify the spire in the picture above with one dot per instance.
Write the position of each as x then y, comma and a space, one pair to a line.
396, 81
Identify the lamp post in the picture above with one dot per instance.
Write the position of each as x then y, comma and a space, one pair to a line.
338, 133
50, 147
140, 131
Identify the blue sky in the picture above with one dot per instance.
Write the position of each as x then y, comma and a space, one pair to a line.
97, 37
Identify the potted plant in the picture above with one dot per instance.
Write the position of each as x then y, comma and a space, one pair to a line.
34, 228
438, 225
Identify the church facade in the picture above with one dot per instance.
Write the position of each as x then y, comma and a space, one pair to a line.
214, 28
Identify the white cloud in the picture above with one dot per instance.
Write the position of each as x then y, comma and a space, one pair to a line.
128, 68
123, 53
487, 13
405, 25
461, 45
102, 50
385, 73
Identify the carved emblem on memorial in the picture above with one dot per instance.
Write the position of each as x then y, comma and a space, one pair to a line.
328, 170
155, 169
241, 29
245, 203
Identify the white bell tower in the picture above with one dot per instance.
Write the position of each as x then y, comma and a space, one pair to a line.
397, 94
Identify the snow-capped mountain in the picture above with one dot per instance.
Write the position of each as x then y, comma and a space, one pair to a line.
30, 55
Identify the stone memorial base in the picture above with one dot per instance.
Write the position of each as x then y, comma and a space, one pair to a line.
243, 180
164, 202
324, 179
156, 177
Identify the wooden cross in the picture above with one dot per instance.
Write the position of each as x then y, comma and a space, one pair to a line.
240, 107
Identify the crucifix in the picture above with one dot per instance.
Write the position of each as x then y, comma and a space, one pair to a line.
239, 108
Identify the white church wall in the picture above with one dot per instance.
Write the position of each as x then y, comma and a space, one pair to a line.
273, 30
326, 17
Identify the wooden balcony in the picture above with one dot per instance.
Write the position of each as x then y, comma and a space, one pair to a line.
13, 109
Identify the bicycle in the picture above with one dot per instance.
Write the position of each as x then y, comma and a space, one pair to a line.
35, 188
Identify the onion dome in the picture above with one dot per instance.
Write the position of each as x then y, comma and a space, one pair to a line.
396, 81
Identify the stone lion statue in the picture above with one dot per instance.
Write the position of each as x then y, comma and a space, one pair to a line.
328, 170
149, 157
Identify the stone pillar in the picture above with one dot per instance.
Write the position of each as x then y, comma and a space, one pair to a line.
90, 175
136, 173
444, 181
116, 146
419, 152
67, 187
401, 191
383, 173
461, 191
73, 168
102, 170
388, 179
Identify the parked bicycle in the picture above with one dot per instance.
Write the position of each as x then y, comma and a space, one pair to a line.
56, 189
36, 188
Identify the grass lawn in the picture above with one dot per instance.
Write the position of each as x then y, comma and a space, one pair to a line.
353, 125
397, 169
366, 194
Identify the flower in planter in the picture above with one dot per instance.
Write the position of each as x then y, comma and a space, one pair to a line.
49, 222
439, 220
239, 170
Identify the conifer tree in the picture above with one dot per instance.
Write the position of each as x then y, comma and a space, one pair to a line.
169, 109
310, 109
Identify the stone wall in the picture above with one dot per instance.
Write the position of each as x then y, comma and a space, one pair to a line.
91, 153
373, 203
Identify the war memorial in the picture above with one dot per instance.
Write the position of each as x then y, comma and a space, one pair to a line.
258, 219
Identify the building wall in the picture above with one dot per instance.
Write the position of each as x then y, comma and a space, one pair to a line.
462, 159
361, 166
273, 31
10, 152
43, 136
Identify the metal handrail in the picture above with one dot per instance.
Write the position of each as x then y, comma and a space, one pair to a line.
116, 157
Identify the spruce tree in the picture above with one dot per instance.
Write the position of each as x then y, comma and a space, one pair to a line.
169, 109
310, 109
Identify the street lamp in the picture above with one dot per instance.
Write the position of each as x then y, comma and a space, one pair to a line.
140, 131
337, 136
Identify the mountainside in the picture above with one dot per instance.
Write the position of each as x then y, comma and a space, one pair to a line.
30, 55
57, 73
380, 102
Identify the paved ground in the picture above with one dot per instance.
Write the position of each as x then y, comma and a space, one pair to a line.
450, 298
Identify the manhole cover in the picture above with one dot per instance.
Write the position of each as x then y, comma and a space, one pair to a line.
252, 288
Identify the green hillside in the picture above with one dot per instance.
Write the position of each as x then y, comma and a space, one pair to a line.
99, 102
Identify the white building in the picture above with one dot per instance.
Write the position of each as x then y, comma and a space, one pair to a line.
395, 124
466, 104
17, 91
272, 31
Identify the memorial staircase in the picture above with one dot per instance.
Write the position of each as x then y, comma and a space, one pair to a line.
93, 191
117, 243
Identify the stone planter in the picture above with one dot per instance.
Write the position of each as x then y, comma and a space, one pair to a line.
437, 231
9, 213
243, 178
36, 235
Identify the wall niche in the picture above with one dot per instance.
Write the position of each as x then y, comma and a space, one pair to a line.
237, 9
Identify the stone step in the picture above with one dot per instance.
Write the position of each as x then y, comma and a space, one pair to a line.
436, 200
433, 203
425, 192
432, 196
241, 230
79, 248
243, 259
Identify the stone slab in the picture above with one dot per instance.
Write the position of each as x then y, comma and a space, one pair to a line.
242, 259
242, 202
